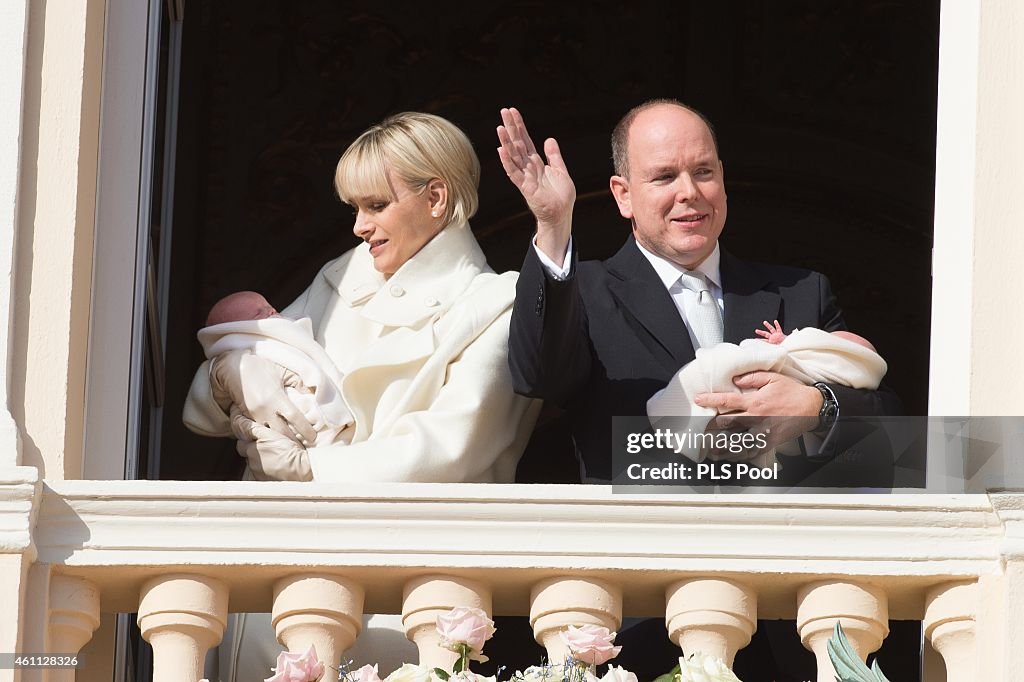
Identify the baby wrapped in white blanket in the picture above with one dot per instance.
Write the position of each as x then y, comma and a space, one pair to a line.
252, 324
808, 355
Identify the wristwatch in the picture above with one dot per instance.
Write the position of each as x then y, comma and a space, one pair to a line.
829, 411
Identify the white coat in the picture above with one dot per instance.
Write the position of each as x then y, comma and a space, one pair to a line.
425, 361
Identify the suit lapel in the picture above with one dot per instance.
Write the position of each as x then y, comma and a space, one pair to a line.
644, 297
747, 303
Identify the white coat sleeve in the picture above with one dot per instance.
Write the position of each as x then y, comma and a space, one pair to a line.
474, 430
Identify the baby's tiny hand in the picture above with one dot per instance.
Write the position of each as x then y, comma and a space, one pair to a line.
774, 333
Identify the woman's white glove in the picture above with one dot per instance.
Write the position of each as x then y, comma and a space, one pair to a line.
256, 386
271, 456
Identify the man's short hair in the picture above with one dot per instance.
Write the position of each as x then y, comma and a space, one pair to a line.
620, 135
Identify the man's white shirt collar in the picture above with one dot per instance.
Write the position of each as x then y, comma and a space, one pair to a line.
668, 272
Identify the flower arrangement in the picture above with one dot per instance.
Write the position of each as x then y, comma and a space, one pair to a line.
465, 630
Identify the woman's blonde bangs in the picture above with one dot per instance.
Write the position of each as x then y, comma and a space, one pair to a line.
362, 171
415, 148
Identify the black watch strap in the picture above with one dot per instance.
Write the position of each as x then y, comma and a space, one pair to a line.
829, 411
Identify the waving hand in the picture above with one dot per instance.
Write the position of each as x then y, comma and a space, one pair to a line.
547, 187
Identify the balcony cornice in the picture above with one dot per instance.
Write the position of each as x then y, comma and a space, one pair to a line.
1009, 507
271, 529
20, 489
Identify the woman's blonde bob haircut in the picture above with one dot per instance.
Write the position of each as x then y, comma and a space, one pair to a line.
416, 148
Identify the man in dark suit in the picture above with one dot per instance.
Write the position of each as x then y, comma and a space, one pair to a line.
600, 338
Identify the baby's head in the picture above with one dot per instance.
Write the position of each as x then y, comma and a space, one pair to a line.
241, 305
856, 338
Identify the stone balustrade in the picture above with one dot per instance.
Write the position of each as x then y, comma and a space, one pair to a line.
317, 557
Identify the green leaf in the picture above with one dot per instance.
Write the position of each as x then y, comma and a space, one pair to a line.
670, 676
878, 671
443, 674
847, 663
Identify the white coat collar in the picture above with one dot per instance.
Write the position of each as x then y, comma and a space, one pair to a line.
428, 283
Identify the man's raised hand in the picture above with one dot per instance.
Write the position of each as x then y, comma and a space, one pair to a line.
547, 187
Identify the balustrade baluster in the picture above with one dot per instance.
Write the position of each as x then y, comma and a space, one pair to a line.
74, 616
557, 603
711, 615
325, 611
182, 616
863, 611
426, 598
949, 624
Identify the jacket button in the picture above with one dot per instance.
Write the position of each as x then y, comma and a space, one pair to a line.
431, 302
397, 291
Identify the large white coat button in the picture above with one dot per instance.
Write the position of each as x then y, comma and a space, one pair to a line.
431, 302
397, 291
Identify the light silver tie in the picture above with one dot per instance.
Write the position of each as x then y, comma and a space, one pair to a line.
707, 323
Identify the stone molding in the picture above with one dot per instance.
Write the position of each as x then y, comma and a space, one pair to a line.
463, 524
515, 535
20, 495
1009, 508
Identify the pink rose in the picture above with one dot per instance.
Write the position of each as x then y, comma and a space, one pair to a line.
293, 667
466, 626
368, 673
591, 644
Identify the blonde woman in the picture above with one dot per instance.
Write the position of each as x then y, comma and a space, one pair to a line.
417, 324
413, 318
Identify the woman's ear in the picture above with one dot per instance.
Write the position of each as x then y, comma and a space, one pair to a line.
437, 195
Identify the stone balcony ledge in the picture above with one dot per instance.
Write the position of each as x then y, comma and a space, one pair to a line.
383, 534
183, 555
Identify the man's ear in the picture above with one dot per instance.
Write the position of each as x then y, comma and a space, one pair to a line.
620, 190
437, 195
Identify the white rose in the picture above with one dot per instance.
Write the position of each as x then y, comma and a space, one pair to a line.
698, 667
409, 673
618, 674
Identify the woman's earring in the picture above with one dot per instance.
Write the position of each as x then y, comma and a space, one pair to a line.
435, 214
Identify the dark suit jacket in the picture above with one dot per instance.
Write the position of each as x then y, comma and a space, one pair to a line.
603, 341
